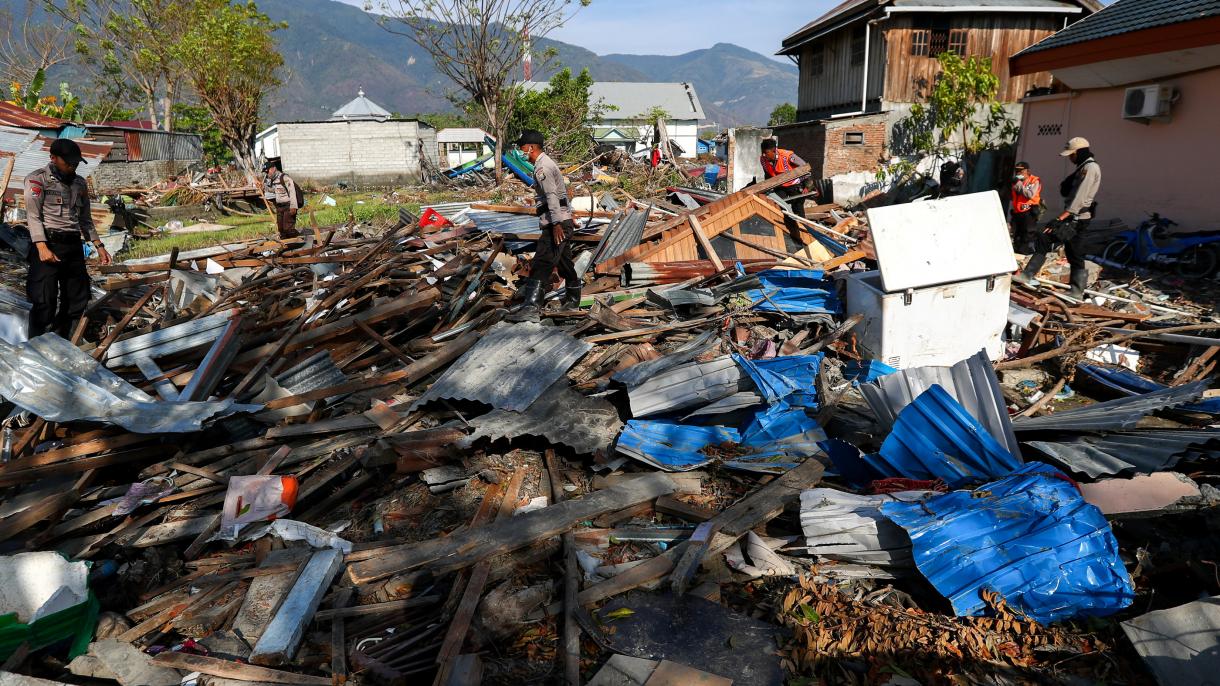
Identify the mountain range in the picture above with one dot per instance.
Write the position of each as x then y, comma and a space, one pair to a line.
332, 50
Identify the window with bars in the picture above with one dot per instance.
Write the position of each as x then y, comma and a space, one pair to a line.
932, 37
817, 60
858, 40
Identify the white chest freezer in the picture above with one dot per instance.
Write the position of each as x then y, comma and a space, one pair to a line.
940, 292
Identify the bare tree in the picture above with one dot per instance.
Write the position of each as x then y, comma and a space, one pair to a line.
479, 45
29, 43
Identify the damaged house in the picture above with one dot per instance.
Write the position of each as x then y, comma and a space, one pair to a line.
361, 144
865, 62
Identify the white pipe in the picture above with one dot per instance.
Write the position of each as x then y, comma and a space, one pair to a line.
868, 26
985, 8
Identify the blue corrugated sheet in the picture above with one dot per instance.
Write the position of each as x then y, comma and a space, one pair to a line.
1128, 383
796, 291
1030, 537
866, 371
677, 447
936, 438
786, 376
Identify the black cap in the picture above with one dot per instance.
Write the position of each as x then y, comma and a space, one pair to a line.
1022, 165
66, 149
272, 162
531, 137
768, 144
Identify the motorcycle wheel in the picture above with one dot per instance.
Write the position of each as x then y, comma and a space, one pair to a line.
1119, 252
1198, 262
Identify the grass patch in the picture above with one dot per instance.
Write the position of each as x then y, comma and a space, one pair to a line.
372, 210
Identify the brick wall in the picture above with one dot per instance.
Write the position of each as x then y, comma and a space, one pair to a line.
361, 153
115, 176
856, 144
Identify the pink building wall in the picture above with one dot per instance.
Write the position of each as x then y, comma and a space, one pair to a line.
1168, 167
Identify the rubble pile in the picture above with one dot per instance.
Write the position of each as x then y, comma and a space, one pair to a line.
764, 447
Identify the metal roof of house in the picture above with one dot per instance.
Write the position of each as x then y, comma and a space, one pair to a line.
854, 9
679, 100
12, 115
461, 135
361, 108
1127, 16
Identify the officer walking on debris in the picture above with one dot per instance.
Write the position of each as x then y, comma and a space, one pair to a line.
1079, 191
57, 215
555, 220
280, 189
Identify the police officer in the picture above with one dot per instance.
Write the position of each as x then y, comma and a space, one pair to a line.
1079, 191
555, 219
281, 190
57, 215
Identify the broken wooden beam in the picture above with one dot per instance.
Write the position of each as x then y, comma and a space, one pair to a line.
279, 642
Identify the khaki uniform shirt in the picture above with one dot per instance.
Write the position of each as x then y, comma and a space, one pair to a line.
552, 192
1085, 185
283, 188
52, 206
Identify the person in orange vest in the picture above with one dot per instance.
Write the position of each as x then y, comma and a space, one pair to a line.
775, 161
1026, 206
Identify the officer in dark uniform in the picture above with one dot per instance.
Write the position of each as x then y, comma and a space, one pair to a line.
57, 215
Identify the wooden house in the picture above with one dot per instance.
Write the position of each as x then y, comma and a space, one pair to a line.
879, 56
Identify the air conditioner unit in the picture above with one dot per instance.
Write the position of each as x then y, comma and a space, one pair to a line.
1147, 102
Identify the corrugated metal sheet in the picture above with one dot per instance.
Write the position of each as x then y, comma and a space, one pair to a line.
623, 234
637, 374
850, 528
971, 382
560, 415
1180, 645
936, 438
1126, 452
503, 222
1113, 415
795, 291
1126, 382
13, 115
163, 145
1030, 537
509, 367
677, 447
689, 385
318, 371
33, 152
55, 380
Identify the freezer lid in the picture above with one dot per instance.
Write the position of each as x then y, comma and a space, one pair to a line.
941, 241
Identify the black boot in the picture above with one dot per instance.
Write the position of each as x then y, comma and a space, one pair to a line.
1080, 281
571, 295
531, 302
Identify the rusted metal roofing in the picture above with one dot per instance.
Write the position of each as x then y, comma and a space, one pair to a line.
12, 115
560, 415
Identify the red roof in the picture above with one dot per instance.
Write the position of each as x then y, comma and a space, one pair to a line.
12, 115
142, 124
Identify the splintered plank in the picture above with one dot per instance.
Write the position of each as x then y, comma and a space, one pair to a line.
472, 545
279, 642
227, 669
266, 592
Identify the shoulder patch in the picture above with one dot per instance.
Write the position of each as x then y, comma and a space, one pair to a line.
35, 187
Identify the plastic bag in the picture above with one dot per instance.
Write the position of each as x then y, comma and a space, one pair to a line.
256, 499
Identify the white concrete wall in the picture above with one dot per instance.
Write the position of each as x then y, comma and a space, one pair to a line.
367, 153
684, 132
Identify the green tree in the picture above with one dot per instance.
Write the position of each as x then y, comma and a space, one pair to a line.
230, 59
562, 112
197, 119
783, 114
479, 45
140, 39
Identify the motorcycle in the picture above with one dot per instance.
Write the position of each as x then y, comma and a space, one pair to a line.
1193, 255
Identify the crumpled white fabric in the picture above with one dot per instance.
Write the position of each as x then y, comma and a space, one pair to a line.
762, 560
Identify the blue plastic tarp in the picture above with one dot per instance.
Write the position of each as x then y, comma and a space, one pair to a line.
1129, 383
936, 438
1030, 537
796, 291
677, 447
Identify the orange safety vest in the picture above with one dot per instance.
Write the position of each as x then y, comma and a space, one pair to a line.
781, 165
1022, 204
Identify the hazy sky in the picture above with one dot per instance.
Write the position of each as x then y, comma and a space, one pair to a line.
672, 27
